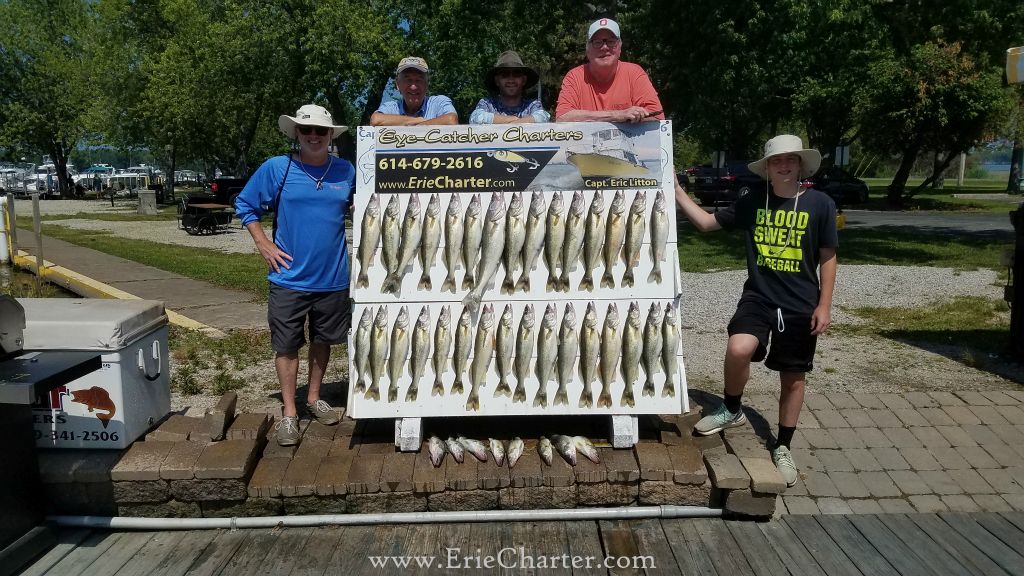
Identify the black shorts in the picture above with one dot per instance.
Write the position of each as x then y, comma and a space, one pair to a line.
329, 313
792, 345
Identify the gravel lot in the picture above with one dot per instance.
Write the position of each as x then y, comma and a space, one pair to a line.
843, 362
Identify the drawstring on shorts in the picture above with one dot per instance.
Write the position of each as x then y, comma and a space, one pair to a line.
781, 322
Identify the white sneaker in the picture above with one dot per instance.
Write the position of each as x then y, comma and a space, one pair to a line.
783, 460
718, 420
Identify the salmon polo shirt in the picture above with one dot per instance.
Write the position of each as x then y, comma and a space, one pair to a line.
629, 87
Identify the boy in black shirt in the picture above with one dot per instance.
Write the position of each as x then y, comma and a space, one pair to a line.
791, 244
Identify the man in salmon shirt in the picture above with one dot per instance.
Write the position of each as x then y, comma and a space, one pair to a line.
605, 88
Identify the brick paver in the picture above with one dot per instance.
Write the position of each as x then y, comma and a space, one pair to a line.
961, 415
961, 503
940, 482
849, 485
857, 417
1013, 414
868, 400
874, 437
930, 437
843, 400
894, 401
896, 506
801, 505
936, 416
830, 419
890, 458
912, 417
920, 459
909, 482
946, 398
834, 506
847, 438
1000, 398
927, 503
820, 438
977, 457
862, 460
865, 506
992, 503
819, 484
988, 415
884, 418
901, 437
879, 484
971, 481
950, 459
973, 398
956, 436
834, 460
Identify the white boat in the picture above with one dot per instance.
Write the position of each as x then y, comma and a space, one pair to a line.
609, 154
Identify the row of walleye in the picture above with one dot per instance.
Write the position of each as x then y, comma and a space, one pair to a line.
599, 351
567, 446
516, 237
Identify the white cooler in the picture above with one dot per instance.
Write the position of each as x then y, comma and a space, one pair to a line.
118, 403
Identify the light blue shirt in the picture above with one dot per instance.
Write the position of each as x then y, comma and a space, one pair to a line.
432, 107
488, 107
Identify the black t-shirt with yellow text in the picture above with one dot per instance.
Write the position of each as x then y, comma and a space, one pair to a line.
783, 245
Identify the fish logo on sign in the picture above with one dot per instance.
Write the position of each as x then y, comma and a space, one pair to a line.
513, 160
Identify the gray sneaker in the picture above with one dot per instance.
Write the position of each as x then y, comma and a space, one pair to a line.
719, 419
288, 431
323, 413
783, 460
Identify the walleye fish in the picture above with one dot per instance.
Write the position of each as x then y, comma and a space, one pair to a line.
369, 237
659, 237
420, 352
590, 350
472, 230
615, 232
572, 244
412, 232
497, 450
399, 351
362, 345
442, 346
503, 357
652, 347
515, 451
545, 450
455, 449
610, 351
391, 235
632, 344
525, 338
534, 242
554, 237
490, 252
435, 446
634, 236
482, 350
568, 347
463, 345
474, 447
378, 352
586, 447
566, 447
515, 236
670, 343
547, 350
452, 241
431, 240
593, 241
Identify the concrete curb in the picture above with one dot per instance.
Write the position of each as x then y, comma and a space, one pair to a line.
89, 288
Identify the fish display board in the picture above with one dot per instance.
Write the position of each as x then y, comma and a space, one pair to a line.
515, 270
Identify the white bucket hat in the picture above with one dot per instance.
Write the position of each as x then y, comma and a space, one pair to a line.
308, 115
810, 159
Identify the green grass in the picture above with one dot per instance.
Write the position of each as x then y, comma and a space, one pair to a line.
969, 329
167, 213
725, 251
941, 200
246, 272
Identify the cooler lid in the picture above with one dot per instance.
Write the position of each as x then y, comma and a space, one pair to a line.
88, 323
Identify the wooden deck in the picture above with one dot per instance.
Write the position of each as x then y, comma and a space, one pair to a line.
986, 544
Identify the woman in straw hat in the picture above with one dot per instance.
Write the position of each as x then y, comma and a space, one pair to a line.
309, 192
791, 242
507, 82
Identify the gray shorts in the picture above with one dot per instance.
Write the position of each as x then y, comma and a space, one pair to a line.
329, 314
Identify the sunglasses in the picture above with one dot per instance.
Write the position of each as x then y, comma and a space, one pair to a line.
307, 130
610, 42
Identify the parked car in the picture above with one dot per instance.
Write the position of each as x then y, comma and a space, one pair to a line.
722, 185
226, 189
843, 187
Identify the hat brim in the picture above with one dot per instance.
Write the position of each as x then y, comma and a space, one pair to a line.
491, 81
288, 123
810, 161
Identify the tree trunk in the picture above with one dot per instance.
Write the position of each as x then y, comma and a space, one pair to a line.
938, 179
1016, 161
938, 169
894, 194
60, 162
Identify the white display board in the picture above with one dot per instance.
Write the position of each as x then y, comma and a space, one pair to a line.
608, 172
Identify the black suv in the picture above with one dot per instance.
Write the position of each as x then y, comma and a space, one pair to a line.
841, 186
714, 186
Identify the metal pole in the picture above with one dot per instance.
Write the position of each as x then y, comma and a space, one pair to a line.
960, 174
37, 226
14, 225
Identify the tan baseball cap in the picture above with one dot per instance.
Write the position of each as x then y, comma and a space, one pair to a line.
413, 62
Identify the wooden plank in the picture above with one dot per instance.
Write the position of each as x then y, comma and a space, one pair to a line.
247, 557
355, 544
721, 547
619, 543
188, 548
67, 540
888, 545
1002, 529
389, 539
932, 555
584, 540
219, 551
281, 556
422, 540
82, 557
119, 554
313, 559
652, 542
755, 547
1015, 518
793, 553
690, 554
821, 546
968, 554
540, 541
985, 541
149, 556
860, 551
